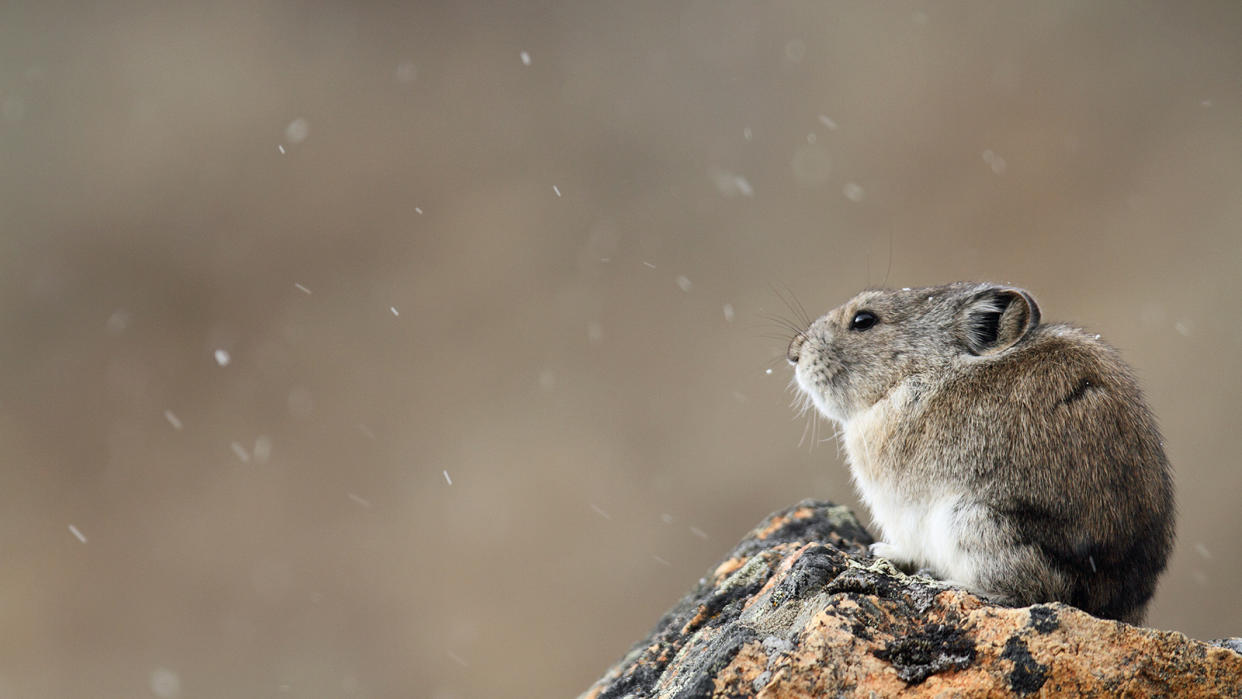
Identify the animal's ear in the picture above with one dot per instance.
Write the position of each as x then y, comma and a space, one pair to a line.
997, 319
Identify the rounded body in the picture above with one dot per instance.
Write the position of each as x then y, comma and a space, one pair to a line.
1014, 458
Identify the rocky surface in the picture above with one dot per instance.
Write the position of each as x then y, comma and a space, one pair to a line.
799, 609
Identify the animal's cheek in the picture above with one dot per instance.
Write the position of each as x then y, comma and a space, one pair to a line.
825, 347
841, 361
864, 356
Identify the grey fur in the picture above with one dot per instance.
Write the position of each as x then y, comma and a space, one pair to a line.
1015, 458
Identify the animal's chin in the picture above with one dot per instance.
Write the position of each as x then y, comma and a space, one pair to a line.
819, 396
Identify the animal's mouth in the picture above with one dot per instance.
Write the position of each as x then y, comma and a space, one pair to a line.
806, 383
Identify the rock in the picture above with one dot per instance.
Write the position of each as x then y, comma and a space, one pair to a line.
799, 609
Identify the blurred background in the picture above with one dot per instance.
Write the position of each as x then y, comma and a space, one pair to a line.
358, 351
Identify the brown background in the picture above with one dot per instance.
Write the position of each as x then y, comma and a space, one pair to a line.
608, 434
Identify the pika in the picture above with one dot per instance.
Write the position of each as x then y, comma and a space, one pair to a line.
1014, 458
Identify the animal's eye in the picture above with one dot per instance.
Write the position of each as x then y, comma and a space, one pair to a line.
863, 320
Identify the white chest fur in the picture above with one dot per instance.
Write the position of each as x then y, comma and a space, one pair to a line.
922, 523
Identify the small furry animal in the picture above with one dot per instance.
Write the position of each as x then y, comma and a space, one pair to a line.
1013, 458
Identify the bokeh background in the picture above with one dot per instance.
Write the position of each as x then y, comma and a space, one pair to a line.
360, 351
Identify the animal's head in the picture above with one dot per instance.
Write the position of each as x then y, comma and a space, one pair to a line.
854, 355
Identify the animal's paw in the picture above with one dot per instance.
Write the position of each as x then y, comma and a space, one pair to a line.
899, 558
938, 580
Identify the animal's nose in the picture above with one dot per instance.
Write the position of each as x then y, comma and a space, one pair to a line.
795, 346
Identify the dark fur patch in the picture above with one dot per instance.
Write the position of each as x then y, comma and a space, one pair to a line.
1085, 384
1028, 514
1110, 579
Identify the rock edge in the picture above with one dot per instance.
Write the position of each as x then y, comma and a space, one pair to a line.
800, 609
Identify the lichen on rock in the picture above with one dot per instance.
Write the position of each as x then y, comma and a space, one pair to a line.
800, 609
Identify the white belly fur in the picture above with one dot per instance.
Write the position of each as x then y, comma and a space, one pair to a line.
926, 534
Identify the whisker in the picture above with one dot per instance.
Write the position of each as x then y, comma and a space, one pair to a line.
801, 309
776, 361
798, 403
773, 336
784, 322
890, 258
796, 307
791, 302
